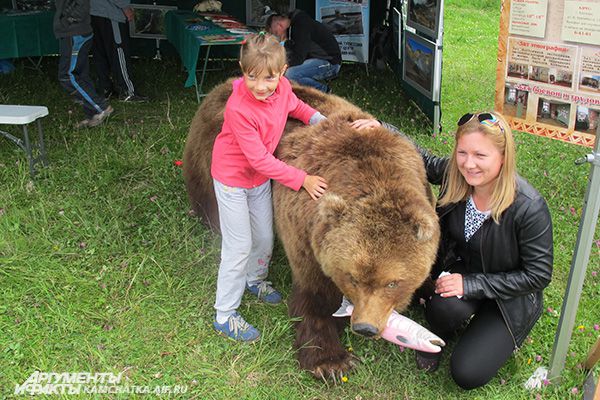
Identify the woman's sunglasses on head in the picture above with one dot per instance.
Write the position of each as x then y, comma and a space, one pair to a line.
485, 118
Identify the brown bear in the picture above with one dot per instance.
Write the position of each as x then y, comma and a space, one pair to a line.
373, 236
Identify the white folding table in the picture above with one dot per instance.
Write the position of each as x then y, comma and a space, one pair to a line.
24, 115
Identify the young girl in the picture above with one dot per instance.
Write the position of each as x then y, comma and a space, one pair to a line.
242, 166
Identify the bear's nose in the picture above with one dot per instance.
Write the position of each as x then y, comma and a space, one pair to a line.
367, 330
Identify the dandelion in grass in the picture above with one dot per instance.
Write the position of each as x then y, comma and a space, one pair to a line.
529, 361
581, 328
344, 379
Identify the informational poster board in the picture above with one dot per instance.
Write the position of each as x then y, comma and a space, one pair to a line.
148, 21
418, 27
349, 22
548, 73
424, 16
419, 63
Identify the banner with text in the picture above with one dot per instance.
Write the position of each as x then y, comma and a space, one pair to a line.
349, 22
548, 73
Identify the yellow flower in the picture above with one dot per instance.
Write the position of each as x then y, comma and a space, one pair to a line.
581, 327
529, 361
344, 379
350, 349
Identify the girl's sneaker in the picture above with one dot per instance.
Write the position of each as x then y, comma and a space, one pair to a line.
237, 328
265, 292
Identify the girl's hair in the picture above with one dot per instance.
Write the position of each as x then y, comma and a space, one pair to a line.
262, 52
455, 188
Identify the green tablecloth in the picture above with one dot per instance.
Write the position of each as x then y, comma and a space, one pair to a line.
188, 31
27, 34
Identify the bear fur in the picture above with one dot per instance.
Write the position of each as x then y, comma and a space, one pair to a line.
373, 236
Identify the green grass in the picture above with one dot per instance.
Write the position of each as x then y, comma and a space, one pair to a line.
102, 268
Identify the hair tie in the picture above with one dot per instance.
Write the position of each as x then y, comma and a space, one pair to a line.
262, 33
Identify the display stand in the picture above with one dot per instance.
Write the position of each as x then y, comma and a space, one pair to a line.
581, 256
421, 55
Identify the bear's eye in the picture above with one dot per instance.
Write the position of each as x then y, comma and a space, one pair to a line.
392, 285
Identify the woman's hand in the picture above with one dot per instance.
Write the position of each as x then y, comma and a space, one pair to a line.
449, 285
315, 186
367, 123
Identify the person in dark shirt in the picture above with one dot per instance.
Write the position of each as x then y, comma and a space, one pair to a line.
73, 28
313, 52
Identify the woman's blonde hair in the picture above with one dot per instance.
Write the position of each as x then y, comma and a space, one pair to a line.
455, 188
262, 52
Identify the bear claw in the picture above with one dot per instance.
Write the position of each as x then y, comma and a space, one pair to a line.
334, 372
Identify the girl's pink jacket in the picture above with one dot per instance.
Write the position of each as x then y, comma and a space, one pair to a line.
243, 151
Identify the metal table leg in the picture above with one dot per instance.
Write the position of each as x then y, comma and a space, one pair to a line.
41, 145
26, 146
199, 92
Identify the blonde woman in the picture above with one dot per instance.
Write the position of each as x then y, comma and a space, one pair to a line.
496, 253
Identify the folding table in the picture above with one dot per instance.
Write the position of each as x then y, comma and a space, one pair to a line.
24, 115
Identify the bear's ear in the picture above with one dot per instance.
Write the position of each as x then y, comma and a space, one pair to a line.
425, 227
331, 206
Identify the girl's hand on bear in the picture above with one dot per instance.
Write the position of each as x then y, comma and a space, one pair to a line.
449, 285
367, 123
315, 186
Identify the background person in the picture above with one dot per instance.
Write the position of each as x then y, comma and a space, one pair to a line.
313, 52
73, 29
111, 49
242, 166
496, 248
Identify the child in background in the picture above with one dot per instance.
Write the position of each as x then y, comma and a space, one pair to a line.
242, 167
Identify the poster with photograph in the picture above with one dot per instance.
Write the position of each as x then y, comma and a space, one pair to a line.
424, 16
348, 20
257, 11
548, 73
148, 21
418, 63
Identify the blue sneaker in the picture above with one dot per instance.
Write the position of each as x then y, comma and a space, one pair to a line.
237, 328
265, 292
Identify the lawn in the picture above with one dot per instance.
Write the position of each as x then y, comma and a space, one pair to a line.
103, 269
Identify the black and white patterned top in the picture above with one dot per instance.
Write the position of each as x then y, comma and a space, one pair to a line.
473, 218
